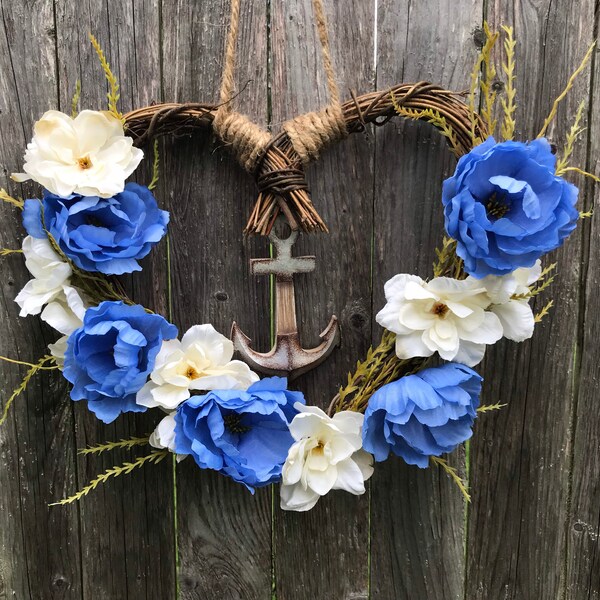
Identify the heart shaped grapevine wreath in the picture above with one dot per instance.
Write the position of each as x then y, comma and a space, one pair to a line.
505, 207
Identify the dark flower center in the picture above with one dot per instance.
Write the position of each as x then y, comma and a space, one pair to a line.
439, 309
95, 221
233, 423
496, 207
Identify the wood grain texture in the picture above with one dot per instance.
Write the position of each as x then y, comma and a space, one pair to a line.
123, 525
417, 520
583, 525
224, 532
39, 547
532, 531
521, 455
332, 538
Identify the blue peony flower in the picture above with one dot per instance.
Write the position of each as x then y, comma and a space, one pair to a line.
109, 358
100, 234
241, 434
505, 206
422, 415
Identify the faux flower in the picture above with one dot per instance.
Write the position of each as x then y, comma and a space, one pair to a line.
242, 434
108, 235
89, 155
110, 356
201, 361
443, 315
50, 287
505, 206
509, 301
58, 351
326, 455
422, 415
164, 434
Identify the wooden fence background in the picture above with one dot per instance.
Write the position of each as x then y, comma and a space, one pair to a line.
532, 531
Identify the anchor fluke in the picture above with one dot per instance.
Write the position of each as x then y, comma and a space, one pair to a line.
287, 357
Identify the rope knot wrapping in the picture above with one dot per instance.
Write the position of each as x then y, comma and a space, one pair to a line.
246, 140
310, 132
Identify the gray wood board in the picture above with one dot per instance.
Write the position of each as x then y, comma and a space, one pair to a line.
417, 521
521, 455
331, 539
532, 530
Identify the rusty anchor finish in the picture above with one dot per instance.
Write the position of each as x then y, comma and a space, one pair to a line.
287, 357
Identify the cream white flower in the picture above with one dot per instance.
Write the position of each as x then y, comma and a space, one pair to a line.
164, 435
327, 455
58, 349
515, 314
88, 155
50, 287
443, 315
200, 361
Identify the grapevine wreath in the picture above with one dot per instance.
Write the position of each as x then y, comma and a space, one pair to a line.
415, 395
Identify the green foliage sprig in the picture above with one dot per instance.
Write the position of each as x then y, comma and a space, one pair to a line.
9, 251
567, 89
447, 262
41, 365
434, 118
153, 458
453, 473
5, 197
490, 407
75, 99
487, 79
509, 106
128, 444
113, 84
574, 133
155, 166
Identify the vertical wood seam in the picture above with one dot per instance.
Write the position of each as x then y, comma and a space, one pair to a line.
588, 198
469, 455
372, 269
68, 399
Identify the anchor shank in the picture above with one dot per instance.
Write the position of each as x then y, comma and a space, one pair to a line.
285, 307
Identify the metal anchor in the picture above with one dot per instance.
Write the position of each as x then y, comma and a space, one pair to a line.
287, 357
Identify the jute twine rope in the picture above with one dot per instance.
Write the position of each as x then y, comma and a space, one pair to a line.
308, 133
277, 161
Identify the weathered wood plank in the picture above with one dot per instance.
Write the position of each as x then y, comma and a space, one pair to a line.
125, 522
224, 533
521, 456
417, 516
39, 547
323, 553
583, 526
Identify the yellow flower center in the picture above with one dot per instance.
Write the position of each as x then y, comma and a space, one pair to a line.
84, 163
191, 373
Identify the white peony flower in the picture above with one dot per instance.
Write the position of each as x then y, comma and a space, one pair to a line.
443, 315
65, 306
58, 349
50, 274
88, 155
200, 361
164, 435
515, 315
327, 455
